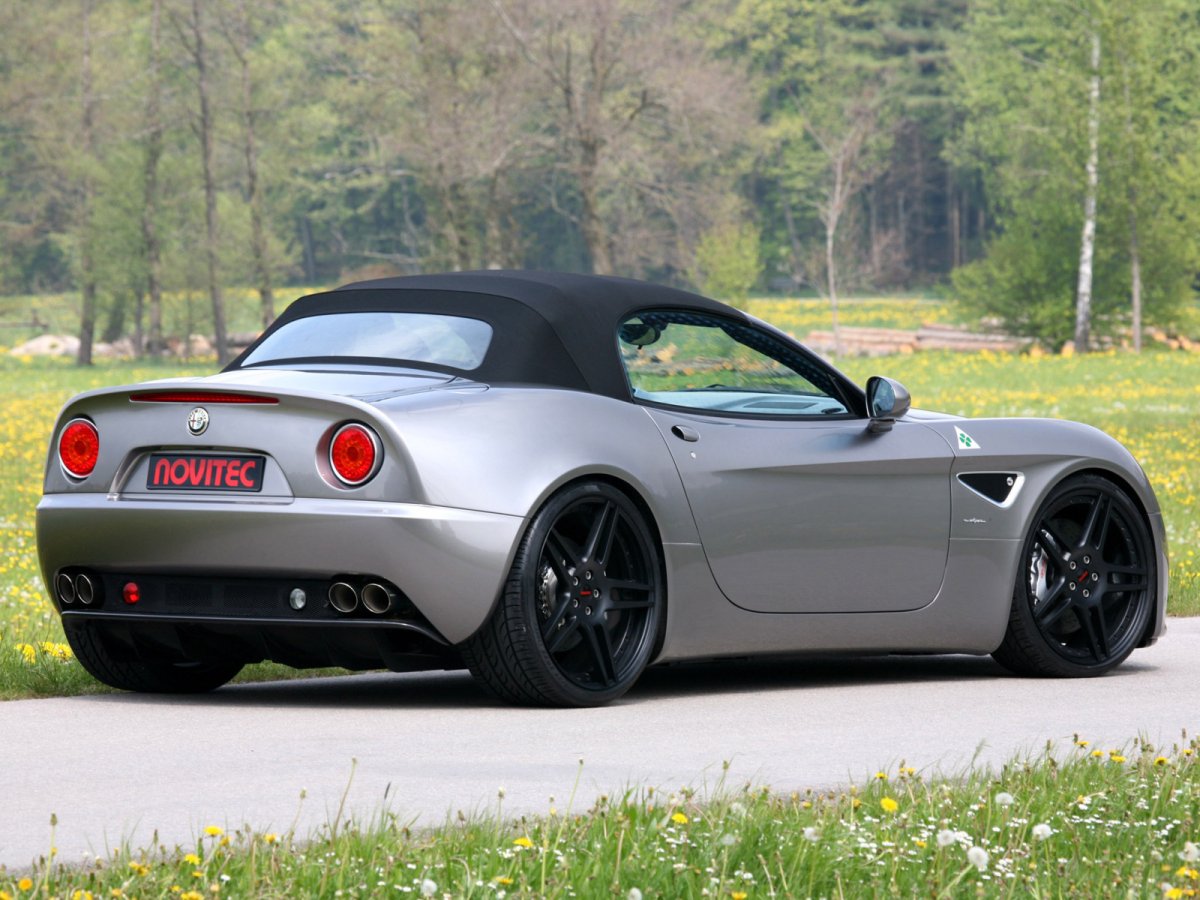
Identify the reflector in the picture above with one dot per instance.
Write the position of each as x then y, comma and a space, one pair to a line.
131, 593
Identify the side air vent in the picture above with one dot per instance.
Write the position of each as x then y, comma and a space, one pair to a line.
1000, 488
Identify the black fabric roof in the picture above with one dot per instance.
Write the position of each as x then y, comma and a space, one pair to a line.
551, 328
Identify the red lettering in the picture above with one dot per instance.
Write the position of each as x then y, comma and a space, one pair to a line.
218, 468
196, 472
231, 473
162, 472
248, 473
179, 471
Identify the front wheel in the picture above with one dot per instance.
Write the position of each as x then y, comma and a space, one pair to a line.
1086, 581
579, 616
129, 673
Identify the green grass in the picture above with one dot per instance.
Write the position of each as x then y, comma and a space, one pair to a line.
1150, 402
1084, 822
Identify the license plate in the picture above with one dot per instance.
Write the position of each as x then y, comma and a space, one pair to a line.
192, 472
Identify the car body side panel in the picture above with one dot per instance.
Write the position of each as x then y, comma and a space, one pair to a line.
816, 515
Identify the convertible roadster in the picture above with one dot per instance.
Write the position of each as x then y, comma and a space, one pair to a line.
557, 480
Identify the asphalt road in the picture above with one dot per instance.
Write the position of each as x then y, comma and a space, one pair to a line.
119, 768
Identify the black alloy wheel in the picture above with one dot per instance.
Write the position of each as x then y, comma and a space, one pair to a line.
580, 614
1086, 585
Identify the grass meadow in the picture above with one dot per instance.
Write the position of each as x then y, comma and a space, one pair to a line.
1151, 402
1079, 821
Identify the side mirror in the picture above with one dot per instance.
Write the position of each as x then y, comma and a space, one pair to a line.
887, 401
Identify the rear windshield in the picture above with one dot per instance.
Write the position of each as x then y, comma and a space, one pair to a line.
454, 341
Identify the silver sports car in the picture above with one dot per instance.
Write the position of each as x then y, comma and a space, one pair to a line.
557, 480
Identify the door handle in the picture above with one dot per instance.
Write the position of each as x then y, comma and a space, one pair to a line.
685, 434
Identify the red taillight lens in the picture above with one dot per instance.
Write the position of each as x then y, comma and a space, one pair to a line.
199, 397
79, 448
353, 453
131, 593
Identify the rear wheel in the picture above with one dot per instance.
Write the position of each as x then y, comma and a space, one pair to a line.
1086, 583
96, 655
580, 612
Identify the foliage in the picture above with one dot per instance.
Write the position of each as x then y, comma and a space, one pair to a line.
1080, 821
728, 261
1021, 69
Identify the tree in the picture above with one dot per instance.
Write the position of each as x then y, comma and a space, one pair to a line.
1040, 127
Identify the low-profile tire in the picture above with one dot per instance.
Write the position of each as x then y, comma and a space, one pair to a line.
132, 674
579, 615
1086, 583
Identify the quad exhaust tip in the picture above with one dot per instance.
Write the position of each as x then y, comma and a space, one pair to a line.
377, 598
85, 591
65, 586
343, 597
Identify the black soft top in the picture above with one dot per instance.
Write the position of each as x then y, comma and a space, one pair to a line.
550, 328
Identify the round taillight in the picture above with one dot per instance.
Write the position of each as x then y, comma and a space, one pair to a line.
79, 448
353, 454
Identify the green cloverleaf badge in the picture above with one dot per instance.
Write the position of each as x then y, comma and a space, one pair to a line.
965, 441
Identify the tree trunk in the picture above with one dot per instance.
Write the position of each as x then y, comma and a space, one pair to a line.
154, 342
1135, 272
1087, 244
258, 235
87, 268
210, 185
594, 233
831, 282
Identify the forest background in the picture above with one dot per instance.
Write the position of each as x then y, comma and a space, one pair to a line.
1037, 160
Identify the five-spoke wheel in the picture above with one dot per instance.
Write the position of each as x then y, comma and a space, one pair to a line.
1085, 588
580, 614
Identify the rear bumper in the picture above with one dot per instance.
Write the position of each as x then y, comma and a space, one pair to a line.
450, 563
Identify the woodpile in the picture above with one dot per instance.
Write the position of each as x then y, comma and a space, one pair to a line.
930, 336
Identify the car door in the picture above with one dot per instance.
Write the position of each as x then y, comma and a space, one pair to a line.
799, 506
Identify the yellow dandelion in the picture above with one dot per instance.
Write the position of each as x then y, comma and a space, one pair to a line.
139, 868
502, 879
29, 654
1116, 757
920, 843
25, 884
1160, 760
1173, 893
881, 776
738, 895
214, 831
192, 859
270, 838
855, 803
523, 842
679, 818
1097, 753
191, 895
889, 805
1082, 743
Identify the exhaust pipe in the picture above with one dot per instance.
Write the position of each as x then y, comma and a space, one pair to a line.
377, 598
84, 589
343, 597
65, 587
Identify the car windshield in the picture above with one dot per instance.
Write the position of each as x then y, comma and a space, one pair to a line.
457, 342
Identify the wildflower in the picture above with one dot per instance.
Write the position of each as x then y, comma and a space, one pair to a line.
192, 859
214, 831
907, 771
889, 805
1004, 798
920, 843
1116, 757
946, 837
139, 869
811, 834
1160, 760
29, 654
728, 840
679, 818
1097, 753
25, 884
738, 895
634, 894
1082, 743
881, 776
270, 838
1172, 893
428, 887
978, 857
1185, 872
1041, 831
523, 842
501, 879
191, 895
1190, 852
